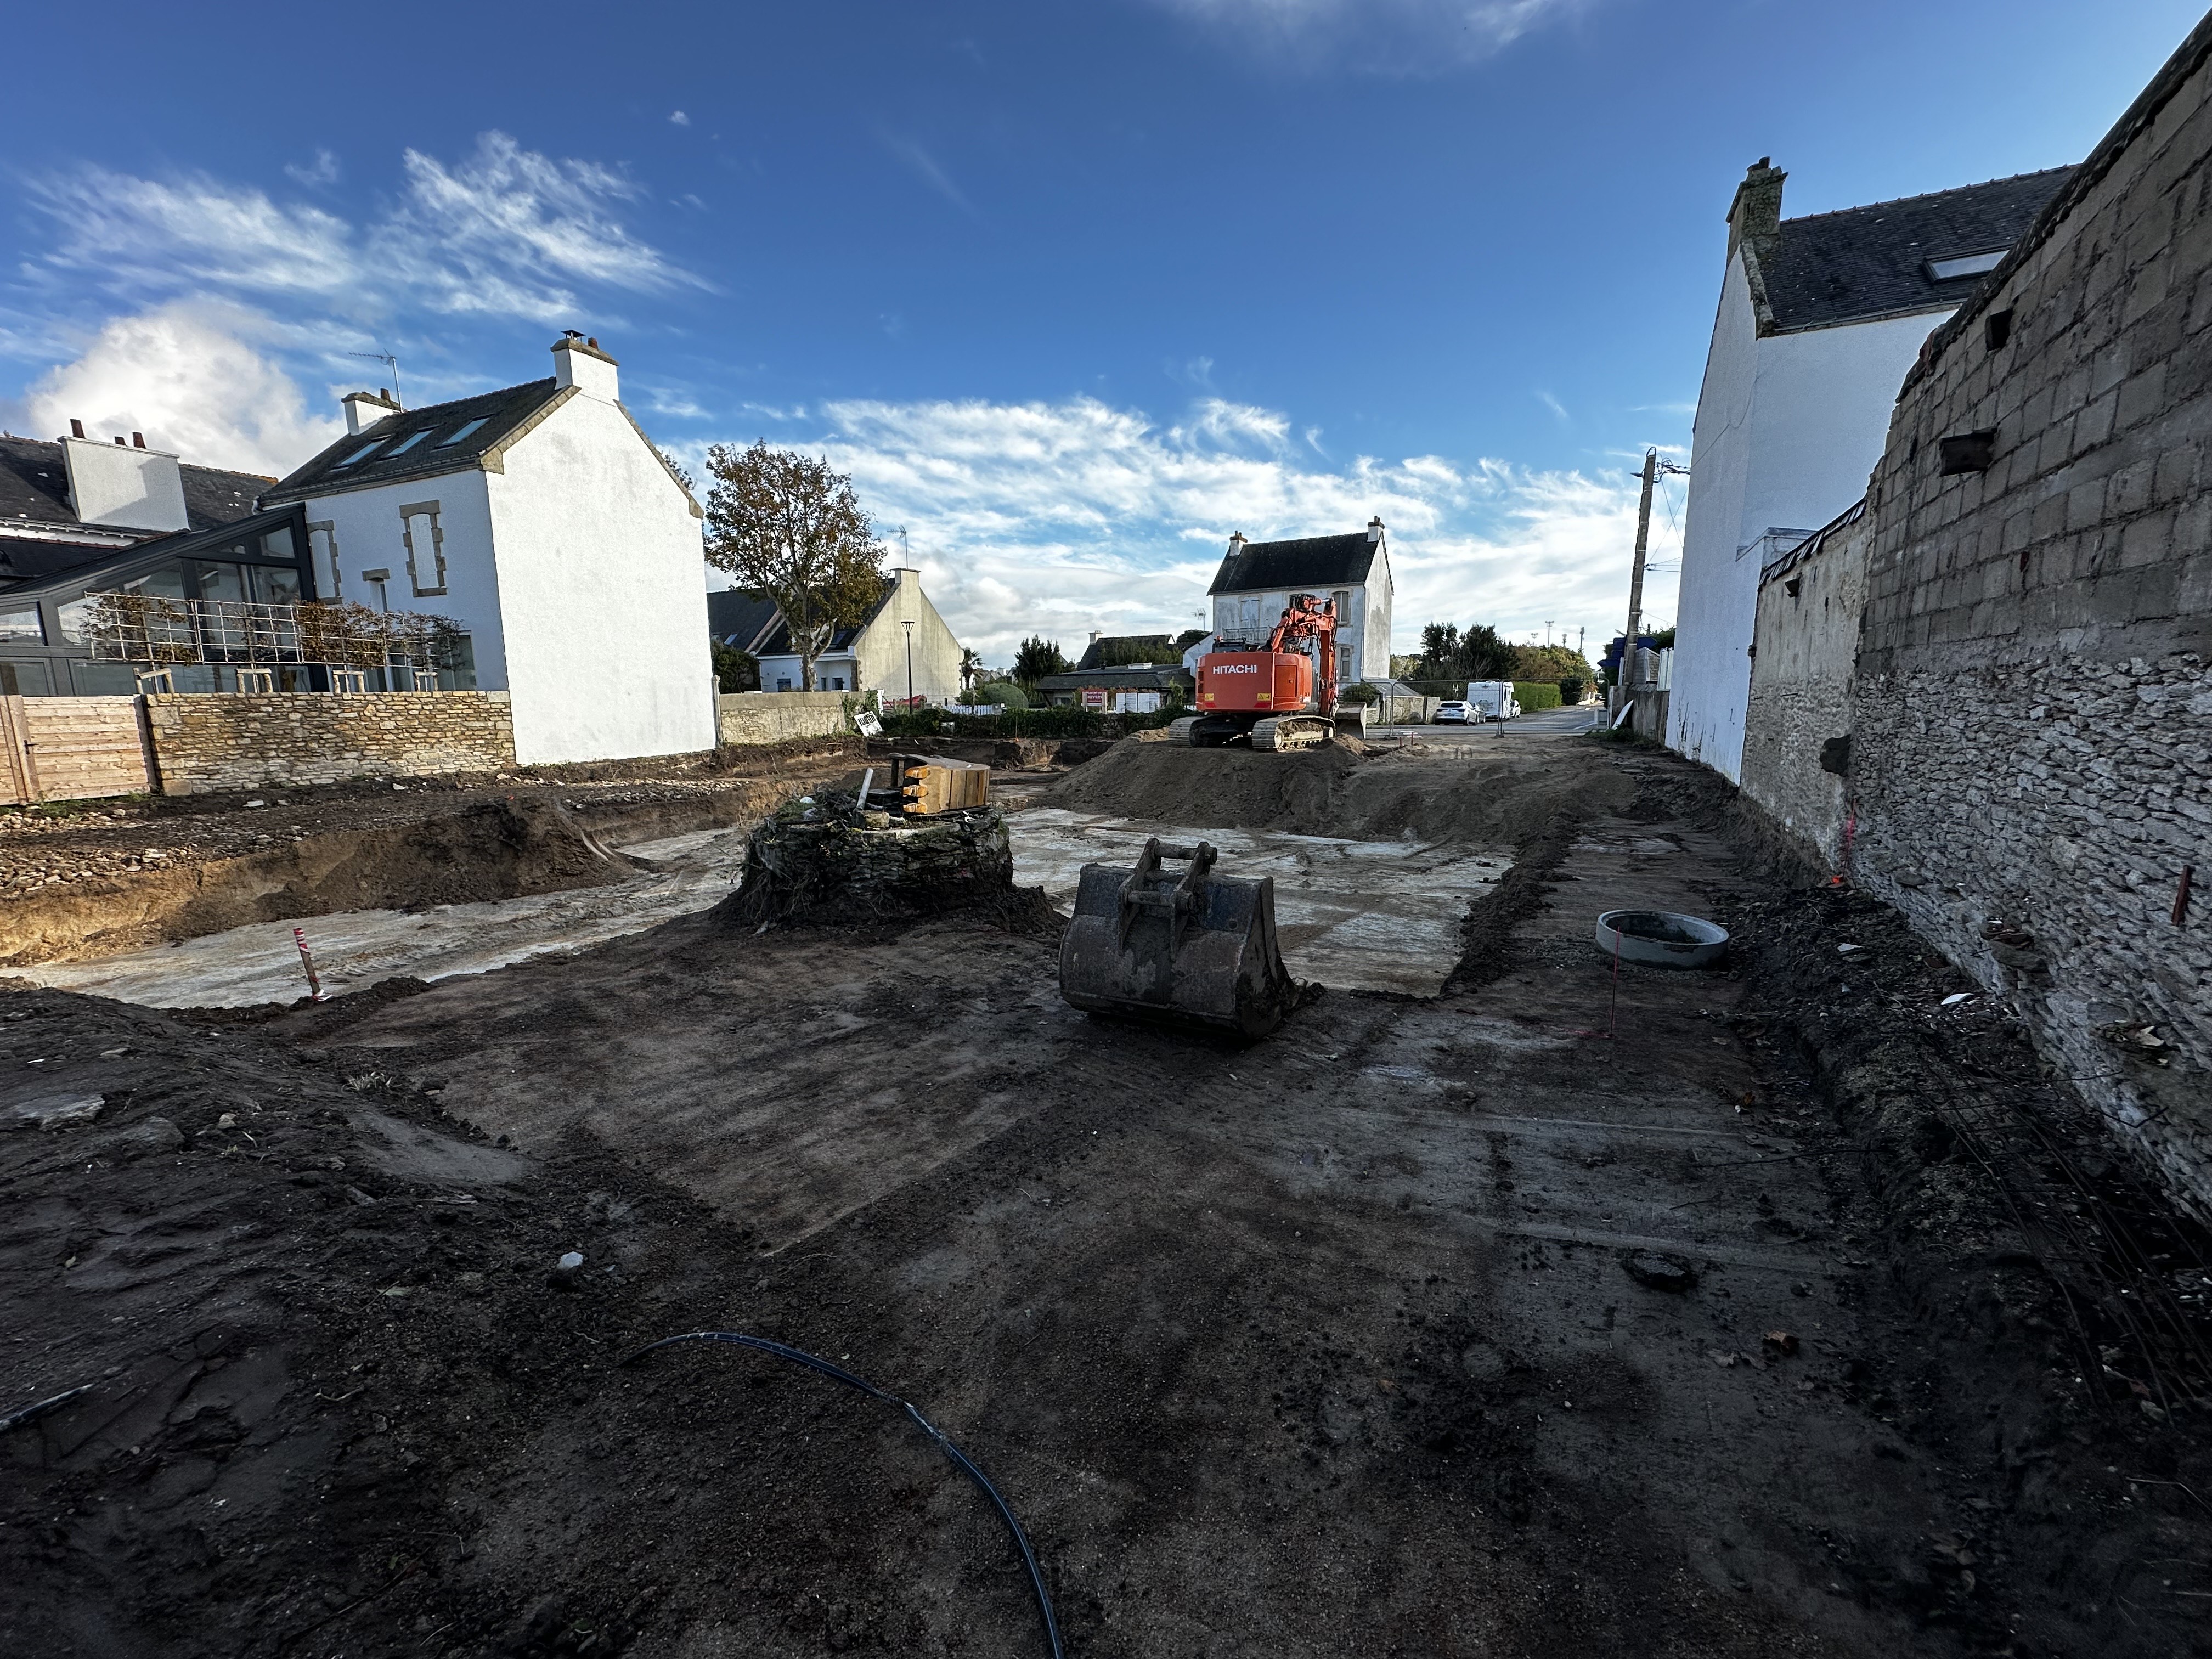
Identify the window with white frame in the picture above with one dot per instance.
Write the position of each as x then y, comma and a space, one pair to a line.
323, 549
1347, 637
426, 548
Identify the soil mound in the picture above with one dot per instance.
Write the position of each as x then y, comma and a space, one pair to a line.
1339, 790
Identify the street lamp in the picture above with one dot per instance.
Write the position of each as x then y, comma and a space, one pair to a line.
908, 626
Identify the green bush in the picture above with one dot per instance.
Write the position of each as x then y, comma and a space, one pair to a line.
1003, 692
1570, 692
1533, 694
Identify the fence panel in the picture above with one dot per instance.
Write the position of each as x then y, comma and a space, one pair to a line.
70, 749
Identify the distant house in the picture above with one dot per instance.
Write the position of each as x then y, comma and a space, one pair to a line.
1127, 650
874, 655
78, 517
741, 618
1820, 318
1129, 689
543, 521
1253, 586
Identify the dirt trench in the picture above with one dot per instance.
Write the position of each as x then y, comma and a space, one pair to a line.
1326, 1346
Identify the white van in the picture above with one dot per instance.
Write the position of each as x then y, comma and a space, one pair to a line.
1494, 700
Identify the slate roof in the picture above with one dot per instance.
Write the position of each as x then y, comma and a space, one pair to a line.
1304, 566
34, 489
1159, 648
505, 413
778, 643
738, 617
1157, 677
27, 558
1868, 262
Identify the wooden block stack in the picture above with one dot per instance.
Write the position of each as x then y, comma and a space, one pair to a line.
935, 784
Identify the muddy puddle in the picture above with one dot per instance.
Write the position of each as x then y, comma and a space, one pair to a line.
1366, 916
1380, 916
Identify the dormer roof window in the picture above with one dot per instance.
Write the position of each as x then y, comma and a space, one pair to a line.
466, 431
363, 453
1953, 266
408, 443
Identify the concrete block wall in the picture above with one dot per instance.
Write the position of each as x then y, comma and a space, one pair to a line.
203, 744
748, 717
2032, 707
1804, 647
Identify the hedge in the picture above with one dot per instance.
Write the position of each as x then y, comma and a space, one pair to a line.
1063, 721
1533, 694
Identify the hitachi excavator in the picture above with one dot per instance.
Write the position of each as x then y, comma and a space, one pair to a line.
1273, 695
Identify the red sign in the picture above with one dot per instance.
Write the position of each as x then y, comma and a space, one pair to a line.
1094, 698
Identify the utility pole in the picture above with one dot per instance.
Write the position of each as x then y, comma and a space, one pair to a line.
1628, 665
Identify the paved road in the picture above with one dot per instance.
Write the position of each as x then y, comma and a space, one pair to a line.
1552, 722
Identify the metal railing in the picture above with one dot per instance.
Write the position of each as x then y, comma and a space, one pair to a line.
158, 633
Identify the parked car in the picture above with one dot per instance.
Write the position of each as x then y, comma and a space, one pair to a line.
1453, 713
1494, 700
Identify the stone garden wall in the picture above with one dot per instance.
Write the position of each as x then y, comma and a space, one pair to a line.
774, 716
258, 740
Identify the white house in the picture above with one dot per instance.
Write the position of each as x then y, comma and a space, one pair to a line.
542, 520
876, 655
1253, 586
1820, 318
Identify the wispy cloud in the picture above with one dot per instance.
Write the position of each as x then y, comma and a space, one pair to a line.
919, 163
506, 230
1064, 517
679, 119
322, 170
1394, 37
1557, 409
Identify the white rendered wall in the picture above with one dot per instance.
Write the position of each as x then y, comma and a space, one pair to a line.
366, 527
1365, 634
602, 593
1787, 429
881, 649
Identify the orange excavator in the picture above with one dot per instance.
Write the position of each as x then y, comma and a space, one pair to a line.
1275, 697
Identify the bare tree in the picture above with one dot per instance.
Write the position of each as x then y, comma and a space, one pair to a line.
785, 523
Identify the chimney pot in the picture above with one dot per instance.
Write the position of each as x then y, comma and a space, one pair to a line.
383, 393
137, 440
118, 438
76, 428
593, 342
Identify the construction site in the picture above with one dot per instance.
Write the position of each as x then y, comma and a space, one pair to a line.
1495, 1293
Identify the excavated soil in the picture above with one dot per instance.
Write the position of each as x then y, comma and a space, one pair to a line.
1560, 1314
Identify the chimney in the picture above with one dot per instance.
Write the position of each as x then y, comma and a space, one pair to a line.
579, 362
1236, 543
137, 440
132, 488
1374, 528
1755, 215
363, 409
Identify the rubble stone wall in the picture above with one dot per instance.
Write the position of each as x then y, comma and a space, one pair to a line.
775, 716
207, 744
1803, 654
2032, 729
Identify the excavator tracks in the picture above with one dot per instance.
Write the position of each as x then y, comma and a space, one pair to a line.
1290, 733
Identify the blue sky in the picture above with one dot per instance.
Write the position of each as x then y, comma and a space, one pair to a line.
1073, 289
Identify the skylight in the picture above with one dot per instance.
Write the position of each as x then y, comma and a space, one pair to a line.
1966, 264
363, 453
408, 442
448, 443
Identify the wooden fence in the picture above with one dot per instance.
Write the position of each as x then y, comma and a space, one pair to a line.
71, 748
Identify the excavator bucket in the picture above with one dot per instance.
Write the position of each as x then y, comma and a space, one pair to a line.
1186, 947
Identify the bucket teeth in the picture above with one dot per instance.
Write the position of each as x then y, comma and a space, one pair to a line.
1185, 946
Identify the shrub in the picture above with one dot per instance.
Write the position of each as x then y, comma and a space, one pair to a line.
1570, 692
1003, 692
1533, 694
1358, 695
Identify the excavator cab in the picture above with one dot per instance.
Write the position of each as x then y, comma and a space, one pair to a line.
1184, 947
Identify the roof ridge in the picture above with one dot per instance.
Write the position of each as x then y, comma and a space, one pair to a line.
1932, 195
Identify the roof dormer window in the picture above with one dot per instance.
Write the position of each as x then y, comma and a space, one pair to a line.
465, 431
363, 453
1953, 266
408, 442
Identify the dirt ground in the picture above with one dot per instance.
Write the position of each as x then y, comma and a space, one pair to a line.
1777, 1310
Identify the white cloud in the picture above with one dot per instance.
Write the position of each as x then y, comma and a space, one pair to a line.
1062, 518
680, 118
322, 170
507, 231
924, 166
189, 376
1402, 37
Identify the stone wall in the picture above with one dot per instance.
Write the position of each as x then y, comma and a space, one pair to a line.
1796, 743
774, 716
2033, 742
273, 740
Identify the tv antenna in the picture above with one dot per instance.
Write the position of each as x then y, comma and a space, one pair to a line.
390, 362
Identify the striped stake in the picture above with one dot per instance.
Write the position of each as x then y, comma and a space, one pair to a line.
314, 985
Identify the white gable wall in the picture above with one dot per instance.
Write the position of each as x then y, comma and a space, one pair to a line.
366, 527
1787, 429
1363, 634
602, 593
